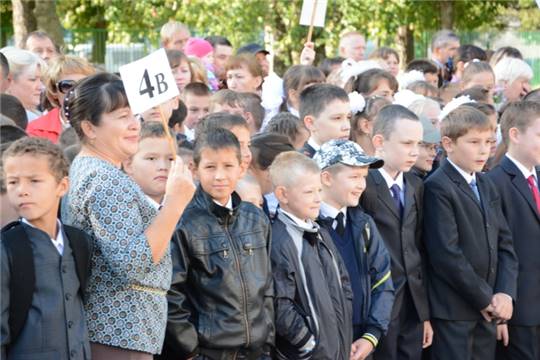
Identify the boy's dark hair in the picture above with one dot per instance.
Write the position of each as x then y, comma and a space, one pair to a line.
10, 133
196, 89
326, 66
423, 88
67, 138
178, 115
422, 65
520, 115
96, 95
487, 109
287, 124
220, 120
314, 99
470, 52
5, 65
461, 120
385, 121
217, 139
58, 164
251, 103
266, 146
215, 40
11, 107
224, 96
153, 129
477, 93
367, 82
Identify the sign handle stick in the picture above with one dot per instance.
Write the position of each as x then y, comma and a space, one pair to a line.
169, 137
310, 32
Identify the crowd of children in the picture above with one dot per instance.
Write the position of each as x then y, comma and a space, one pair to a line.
347, 211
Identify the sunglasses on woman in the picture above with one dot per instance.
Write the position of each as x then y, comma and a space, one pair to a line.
65, 85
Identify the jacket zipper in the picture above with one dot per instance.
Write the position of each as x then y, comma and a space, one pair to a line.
242, 282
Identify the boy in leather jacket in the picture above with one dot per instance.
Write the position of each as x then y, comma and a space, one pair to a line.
221, 296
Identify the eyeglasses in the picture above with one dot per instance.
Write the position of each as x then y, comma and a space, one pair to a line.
65, 85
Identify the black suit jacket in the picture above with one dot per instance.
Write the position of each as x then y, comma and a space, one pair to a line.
523, 219
469, 245
402, 238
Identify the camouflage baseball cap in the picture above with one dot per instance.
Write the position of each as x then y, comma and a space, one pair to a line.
344, 152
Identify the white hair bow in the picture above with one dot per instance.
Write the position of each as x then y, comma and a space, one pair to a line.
350, 68
406, 97
358, 103
454, 104
407, 78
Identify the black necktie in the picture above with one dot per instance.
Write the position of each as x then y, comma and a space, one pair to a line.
340, 226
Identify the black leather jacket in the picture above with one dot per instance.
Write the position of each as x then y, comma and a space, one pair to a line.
221, 295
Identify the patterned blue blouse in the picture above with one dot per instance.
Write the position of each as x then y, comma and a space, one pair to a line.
126, 304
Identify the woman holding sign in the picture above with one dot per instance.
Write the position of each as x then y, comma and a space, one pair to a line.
126, 307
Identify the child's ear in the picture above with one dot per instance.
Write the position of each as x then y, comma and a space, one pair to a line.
447, 144
63, 186
309, 122
326, 178
365, 126
378, 141
281, 194
513, 135
243, 169
194, 171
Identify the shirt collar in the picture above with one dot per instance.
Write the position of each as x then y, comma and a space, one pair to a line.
313, 144
59, 233
467, 176
389, 181
293, 110
228, 205
331, 212
526, 172
305, 225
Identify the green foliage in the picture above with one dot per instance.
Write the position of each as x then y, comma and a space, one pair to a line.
244, 21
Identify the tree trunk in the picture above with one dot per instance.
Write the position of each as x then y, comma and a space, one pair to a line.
99, 43
47, 20
447, 14
24, 20
405, 44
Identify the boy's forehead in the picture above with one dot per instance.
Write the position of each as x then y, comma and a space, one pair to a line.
154, 144
337, 106
224, 154
27, 164
478, 132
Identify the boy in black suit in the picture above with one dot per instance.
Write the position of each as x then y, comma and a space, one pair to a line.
326, 112
517, 181
473, 267
393, 197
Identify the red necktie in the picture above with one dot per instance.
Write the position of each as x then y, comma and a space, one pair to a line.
534, 189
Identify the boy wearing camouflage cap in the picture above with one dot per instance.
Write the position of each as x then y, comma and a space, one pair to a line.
344, 168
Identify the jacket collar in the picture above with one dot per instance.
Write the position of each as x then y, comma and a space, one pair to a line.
203, 200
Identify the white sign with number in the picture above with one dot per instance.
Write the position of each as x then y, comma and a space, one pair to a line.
148, 81
307, 12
